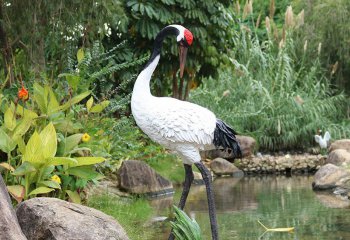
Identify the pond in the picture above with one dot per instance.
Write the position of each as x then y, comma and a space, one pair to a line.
277, 201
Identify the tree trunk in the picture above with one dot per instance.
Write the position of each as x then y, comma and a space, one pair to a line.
37, 53
5, 48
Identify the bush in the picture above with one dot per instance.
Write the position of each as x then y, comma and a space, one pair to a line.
43, 145
273, 95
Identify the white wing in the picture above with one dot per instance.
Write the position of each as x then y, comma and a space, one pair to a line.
180, 121
327, 136
317, 138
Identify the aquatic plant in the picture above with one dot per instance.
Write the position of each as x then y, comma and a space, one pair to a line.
185, 228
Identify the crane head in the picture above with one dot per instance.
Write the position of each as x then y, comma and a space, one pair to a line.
184, 40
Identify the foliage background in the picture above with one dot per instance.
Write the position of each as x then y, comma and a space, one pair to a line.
232, 51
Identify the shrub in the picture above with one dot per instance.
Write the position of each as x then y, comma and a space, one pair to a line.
272, 94
42, 144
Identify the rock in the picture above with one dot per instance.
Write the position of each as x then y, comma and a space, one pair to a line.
340, 144
55, 219
198, 179
9, 227
247, 147
330, 176
338, 157
139, 178
106, 186
221, 167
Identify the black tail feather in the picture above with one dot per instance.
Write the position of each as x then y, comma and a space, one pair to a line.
225, 136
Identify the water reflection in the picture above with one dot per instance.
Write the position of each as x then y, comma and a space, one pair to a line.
278, 201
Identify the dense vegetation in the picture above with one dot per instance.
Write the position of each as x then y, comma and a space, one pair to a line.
68, 67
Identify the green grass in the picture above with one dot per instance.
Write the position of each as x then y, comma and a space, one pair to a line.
169, 166
132, 214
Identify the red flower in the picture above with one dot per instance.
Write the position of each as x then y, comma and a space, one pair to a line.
23, 94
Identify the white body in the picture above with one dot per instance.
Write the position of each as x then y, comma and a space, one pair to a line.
178, 125
323, 141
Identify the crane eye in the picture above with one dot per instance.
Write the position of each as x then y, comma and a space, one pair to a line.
183, 43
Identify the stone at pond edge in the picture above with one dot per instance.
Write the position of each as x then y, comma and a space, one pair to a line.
55, 219
339, 157
330, 176
9, 227
139, 178
247, 147
340, 144
221, 167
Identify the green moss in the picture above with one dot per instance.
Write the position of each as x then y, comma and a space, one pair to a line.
132, 214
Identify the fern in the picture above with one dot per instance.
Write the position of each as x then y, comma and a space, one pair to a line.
107, 73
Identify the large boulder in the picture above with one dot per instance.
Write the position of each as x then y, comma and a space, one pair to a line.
9, 227
339, 157
330, 176
340, 144
247, 147
221, 167
55, 219
139, 178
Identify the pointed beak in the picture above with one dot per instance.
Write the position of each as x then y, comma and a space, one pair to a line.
182, 57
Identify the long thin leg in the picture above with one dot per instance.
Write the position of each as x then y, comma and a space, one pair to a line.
187, 185
211, 204
186, 189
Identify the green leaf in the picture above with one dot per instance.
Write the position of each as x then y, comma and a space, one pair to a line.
89, 103
6, 143
21, 145
25, 168
10, 119
86, 172
74, 196
88, 160
69, 143
53, 103
34, 150
23, 112
99, 107
47, 171
61, 161
22, 128
73, 101
73, 81
17, 192
41, 190
80, 55
80, 149
51, 184
49, 141
41, 97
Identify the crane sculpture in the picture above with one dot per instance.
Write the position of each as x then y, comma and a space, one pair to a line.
181, 126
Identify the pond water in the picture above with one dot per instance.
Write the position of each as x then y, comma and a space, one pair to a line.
277, 201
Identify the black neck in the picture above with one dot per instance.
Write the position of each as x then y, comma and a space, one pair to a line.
169, 30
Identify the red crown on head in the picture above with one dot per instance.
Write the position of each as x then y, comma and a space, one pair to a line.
188, 36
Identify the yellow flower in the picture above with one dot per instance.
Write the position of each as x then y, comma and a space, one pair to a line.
85, 138
56, 178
